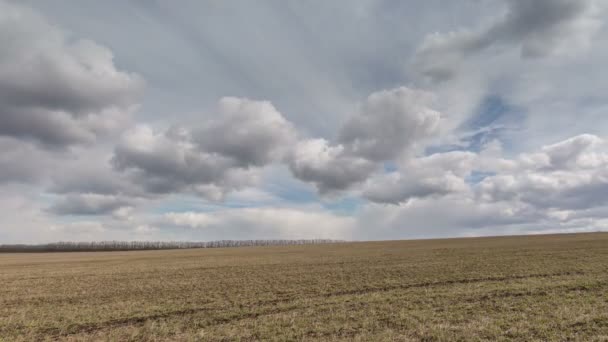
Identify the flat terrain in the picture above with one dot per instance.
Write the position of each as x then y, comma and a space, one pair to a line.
552, 287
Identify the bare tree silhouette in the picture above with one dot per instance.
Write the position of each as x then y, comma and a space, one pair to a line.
69, 246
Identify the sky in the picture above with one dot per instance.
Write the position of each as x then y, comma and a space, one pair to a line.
355, 120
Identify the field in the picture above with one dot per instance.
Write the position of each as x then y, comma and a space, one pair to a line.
552, 287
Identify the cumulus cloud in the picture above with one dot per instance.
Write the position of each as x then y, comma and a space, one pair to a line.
82, 182
328, 167
390, 125
163, 163
575, 152
57, 90
567, 175
221, 156
252, 133
561, 187
439, 174
535, 28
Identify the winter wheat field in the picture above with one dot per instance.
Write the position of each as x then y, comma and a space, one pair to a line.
549, 287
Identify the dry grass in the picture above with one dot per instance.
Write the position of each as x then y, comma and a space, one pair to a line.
523, 288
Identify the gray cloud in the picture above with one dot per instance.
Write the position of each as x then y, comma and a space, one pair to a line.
390, 125
55, 128
163, 164
250, 132
93, 175
220, 156
329, 168
88, 204
541, 27
55, 89
536, 28
395, 188
22, 162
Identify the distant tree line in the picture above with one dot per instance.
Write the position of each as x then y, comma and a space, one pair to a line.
67, 246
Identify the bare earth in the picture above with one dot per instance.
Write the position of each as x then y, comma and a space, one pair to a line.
552, 287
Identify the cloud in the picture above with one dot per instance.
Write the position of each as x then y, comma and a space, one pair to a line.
89, 204
163, 163
253, 133
390, 125
561, 187
90, 186
57, 90
22, 163
221, 156
93, 175
436, 175
224, 153
535, 28
569, 175
75, 164
329, 168
395, 187
574, 152
548, 26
